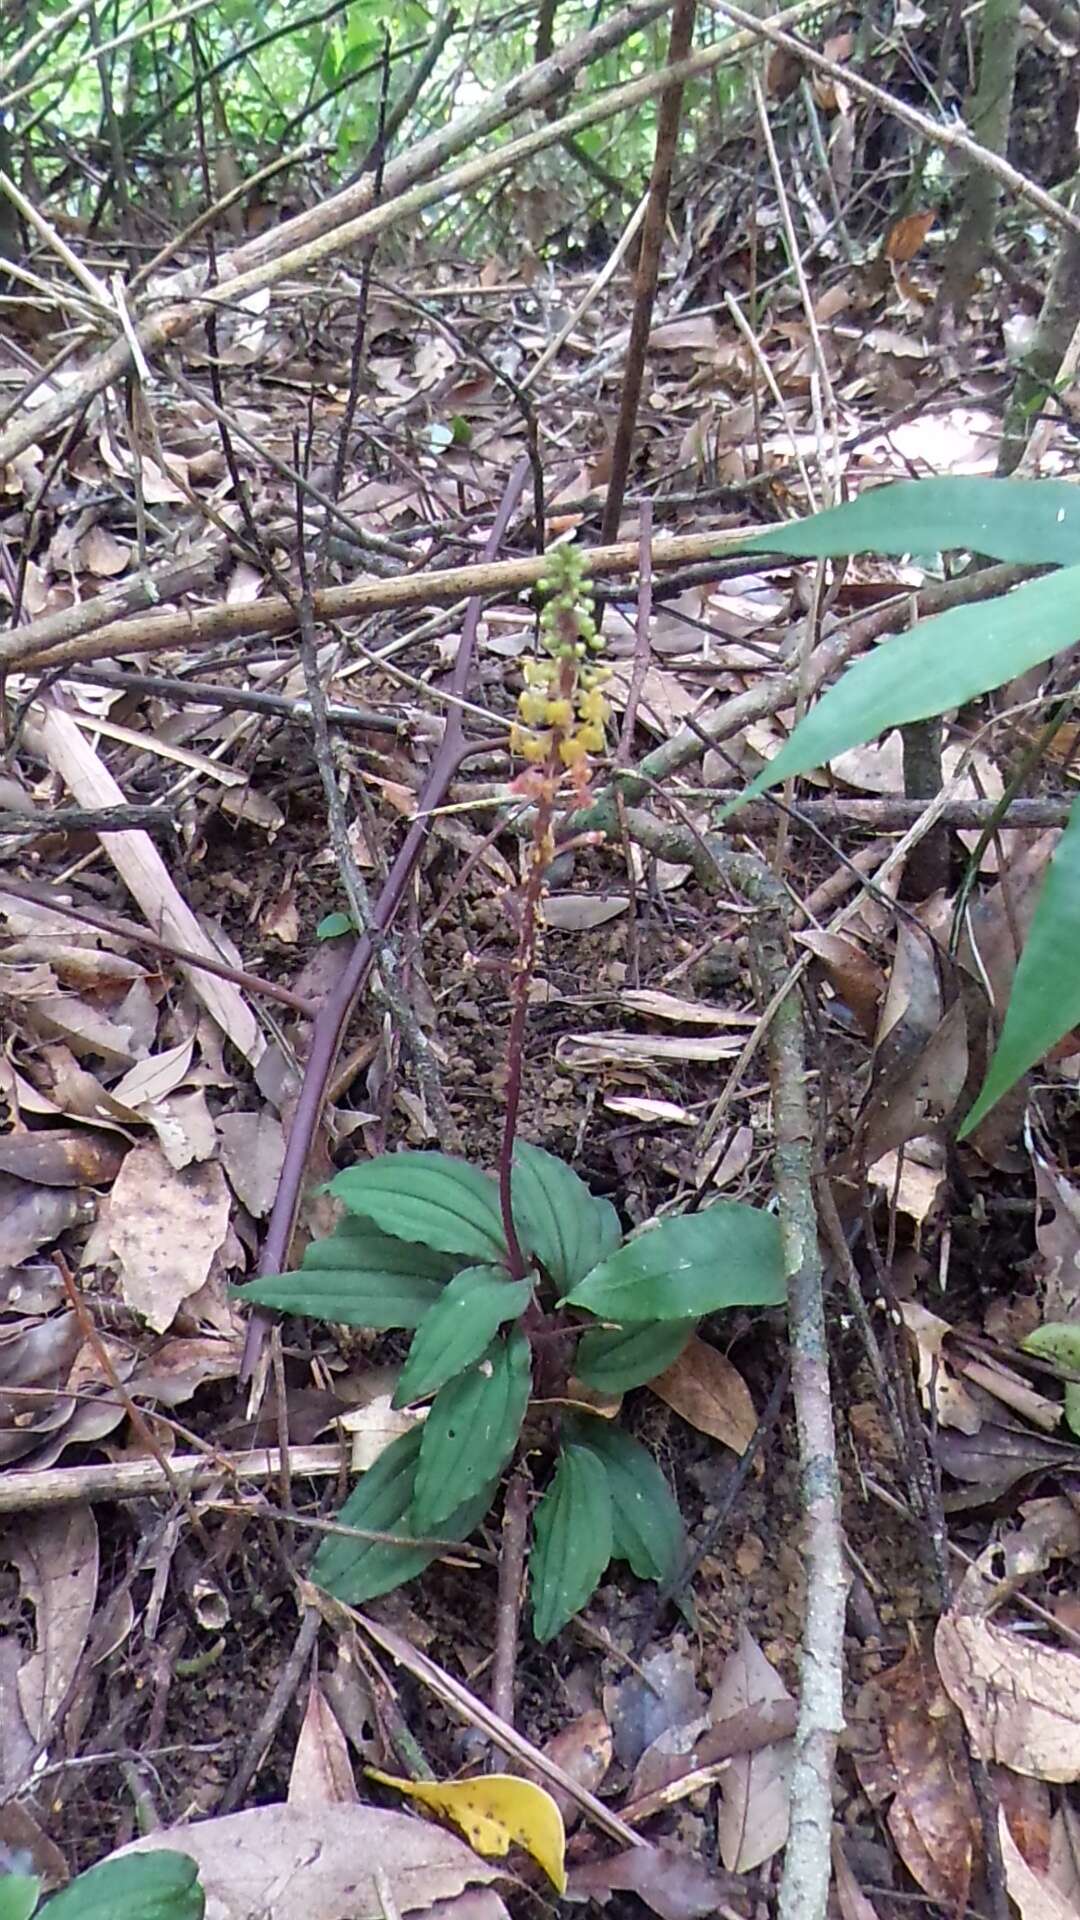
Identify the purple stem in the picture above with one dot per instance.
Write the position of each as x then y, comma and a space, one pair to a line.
333, 1015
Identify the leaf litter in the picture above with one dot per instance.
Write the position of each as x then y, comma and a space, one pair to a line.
149, 1104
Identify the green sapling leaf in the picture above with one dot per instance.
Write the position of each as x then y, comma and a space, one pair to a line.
429, 1197
568, 1228
471, 1430
572, 1540
459, 1328
727, 1255
359, 1277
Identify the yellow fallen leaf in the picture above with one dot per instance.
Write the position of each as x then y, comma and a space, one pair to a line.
494, 1812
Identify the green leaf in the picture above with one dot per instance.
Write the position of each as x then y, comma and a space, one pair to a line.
358, 1570
1030, 521
358, 1277
19, 1894
472, 1430
615, 1359
430, 1197
943, 662
459, 1328
333, 925
1045, 1000
139, 1886
1059, 1341
729, 1255
573, 1540
567, 1227
647, 1528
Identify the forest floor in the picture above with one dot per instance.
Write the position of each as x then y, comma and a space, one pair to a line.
143, 1633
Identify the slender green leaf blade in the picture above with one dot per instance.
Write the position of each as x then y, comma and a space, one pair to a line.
359, 1277
430, 1197
568, 1228
355, 1570
471, 1431
19, 1894
1045, 1000
647, 1527
138, 1886
459, 1328
1035, 522
572, 1540
729, 1255
614, 1359
943, 662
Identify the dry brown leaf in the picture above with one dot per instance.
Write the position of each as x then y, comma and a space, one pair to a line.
855, 979
671, 1884
154, 1078
912, 1183
253, 1152
672, 1006
1064, 1867
32, 1216
583, 1750
953, 1405
639, 1050
907, 235
164, 1228
321, 1773
933, 1817
56, 1557
650, 1112
61, 1157
1020, 1700
1034, 1896
580, 912
144, 873
1057, 1235
322, 1863
850, 1898
709, 1393
752, 1822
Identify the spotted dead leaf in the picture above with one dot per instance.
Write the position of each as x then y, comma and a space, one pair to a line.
584, 1750
907, 1744
710, 1394
163, 1228
495, 1812
1020, 1700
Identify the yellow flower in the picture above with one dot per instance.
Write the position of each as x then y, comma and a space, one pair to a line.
591, 738
532, 705
572, 751
537, 673
593, 707
558, 713
535, 747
